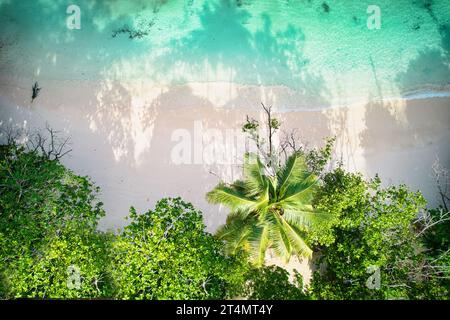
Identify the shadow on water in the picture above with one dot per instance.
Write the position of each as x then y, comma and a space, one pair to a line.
223, 49
416, 129
432, 66
232, 54
43, 44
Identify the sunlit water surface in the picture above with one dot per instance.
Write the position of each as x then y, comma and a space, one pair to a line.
318, 53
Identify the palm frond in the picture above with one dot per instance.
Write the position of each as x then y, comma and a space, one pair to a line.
254, 175
305, 217
281, 244
235, 234
295, 170
302, 192
239, 185
231, 197
258, 243
237, 214
296, 240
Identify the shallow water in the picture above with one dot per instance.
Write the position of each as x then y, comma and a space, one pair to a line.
321, 52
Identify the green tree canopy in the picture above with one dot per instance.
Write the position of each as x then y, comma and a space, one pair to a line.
48, 220
165, 253
374, 229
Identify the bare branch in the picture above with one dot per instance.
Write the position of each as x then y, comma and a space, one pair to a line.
442, 180
428, 221
48, 144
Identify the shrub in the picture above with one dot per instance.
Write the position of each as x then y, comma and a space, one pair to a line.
48, 220
375, 228
166, 254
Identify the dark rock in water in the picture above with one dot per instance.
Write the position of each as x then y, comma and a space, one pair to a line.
35, 91
326, 7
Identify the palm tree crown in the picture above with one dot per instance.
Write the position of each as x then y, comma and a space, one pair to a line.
268, 212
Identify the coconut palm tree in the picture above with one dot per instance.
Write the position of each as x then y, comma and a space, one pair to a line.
268, 211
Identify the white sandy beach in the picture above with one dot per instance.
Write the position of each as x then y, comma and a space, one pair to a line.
128, 142
141, 144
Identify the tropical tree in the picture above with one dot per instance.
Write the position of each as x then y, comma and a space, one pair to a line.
378, 232
49, 245
269, 211
165, 253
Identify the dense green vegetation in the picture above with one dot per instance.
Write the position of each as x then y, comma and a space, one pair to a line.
48, 220
50, 246
376, 229
166, 254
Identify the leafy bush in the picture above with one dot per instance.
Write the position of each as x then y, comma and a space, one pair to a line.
50, 246
374, 228
166, 254
70, 265
48, 219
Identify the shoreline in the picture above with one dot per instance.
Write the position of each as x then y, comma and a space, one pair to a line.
127, 149
224, 94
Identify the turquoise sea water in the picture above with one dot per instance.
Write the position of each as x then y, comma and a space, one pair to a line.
322, 51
